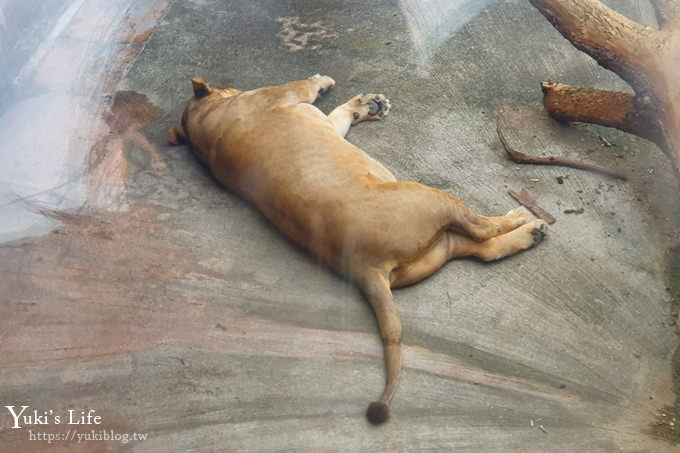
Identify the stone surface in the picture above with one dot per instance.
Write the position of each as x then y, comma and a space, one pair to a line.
132, 284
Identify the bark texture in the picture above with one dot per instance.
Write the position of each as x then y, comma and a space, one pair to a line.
649, 60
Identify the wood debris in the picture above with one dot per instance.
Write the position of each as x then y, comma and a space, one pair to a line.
525, 200
522, 158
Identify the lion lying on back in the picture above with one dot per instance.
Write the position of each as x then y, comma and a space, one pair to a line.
281, 153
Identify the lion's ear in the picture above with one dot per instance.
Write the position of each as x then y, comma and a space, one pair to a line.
201, 88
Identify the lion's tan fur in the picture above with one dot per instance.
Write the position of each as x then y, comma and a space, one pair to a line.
284, 155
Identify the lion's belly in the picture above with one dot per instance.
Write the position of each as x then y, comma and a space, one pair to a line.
307, 180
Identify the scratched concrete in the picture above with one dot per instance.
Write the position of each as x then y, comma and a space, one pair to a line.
133, 285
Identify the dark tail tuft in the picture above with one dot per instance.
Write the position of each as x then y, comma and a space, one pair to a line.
378, 413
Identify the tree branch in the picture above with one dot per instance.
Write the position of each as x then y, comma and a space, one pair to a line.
646, 59
614, 41
590, 105
522, 158
527, 201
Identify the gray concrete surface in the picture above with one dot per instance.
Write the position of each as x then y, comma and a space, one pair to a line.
135, 286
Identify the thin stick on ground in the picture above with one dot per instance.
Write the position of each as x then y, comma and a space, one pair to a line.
522, 158
527, 201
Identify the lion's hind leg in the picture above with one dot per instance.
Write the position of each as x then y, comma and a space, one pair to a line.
425, 266
497, 247
513, 219
464, 221
452, 245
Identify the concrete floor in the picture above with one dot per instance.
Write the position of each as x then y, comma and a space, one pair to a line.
131, 284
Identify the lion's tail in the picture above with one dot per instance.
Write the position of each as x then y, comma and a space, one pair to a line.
376, 288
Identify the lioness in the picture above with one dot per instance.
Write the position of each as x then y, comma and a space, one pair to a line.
275, 149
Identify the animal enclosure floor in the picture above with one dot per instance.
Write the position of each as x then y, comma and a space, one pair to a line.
133, 285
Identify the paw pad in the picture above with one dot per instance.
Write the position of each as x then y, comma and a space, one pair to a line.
537, 234
378, 106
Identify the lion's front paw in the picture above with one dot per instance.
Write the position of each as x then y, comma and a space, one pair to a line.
325, 81
369, 107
